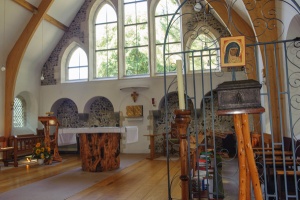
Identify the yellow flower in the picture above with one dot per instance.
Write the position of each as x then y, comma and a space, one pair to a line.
41, 151
37, 151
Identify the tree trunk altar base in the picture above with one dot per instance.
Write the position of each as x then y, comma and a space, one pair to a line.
100, 151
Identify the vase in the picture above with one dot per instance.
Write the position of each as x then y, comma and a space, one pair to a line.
40, 161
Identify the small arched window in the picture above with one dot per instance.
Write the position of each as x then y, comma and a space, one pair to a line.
77, 67
205, 56
19, 114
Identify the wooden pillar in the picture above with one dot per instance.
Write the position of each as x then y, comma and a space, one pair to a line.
247, 166
250, 157
182, 121
241, 157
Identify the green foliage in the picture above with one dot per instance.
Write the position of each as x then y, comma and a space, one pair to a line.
40, 151
136, 63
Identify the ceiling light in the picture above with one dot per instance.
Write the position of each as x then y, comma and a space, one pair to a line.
198, 6
3, 68
42, 77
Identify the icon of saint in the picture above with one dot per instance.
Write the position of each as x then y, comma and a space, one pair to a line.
232, 53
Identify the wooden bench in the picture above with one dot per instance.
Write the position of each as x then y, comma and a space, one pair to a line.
22, 146
280, 173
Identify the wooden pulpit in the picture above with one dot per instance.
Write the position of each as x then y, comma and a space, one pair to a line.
49, 121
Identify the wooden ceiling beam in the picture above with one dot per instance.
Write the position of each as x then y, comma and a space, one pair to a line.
34, 10
14, 60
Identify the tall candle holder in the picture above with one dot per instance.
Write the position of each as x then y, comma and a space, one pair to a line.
182, 120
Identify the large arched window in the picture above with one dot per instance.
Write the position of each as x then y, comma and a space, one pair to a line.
164, 12
106, 43
136, 37
19, 114
77, 67
121, 43
205, 56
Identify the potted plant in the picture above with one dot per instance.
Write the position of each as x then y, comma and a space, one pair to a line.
42, 153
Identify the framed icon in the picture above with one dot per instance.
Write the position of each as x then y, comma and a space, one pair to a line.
233, 51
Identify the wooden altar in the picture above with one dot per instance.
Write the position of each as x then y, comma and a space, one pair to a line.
100, 151
48, 121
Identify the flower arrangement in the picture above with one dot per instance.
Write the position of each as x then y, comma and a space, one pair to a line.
40, 151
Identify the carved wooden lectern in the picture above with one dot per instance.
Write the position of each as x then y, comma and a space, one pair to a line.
48, 121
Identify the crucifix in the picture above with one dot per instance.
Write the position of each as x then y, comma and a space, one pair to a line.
134, 96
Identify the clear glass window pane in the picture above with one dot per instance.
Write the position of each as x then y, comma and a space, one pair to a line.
137, 61
106, 36
19, 113
166, 6
204, 59
83, 72
77, 60
130, 35
129, 14
142, 37
106, 44
141, 14
106, 14
107, 62
161, 24
136, 37
74, 61
163, 15
73, 73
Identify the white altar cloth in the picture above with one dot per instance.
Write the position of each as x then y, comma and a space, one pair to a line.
67, 136
131, 134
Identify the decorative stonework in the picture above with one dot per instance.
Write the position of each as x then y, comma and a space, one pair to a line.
74, 31
67, 114
101, 114
222, 124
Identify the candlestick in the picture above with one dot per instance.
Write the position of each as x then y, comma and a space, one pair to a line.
180, 85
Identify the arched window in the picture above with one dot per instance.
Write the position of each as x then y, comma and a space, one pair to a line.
77, 67
136, 37
19, 114
164, 12
204, 57
106, 48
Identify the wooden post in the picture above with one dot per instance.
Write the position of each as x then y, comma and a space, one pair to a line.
182, 121
242, 157
241, 123
250, 158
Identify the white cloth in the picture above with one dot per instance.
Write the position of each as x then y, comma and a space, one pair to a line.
131, 134
66, 139
67, 136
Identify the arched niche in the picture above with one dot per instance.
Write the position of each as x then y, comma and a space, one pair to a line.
100, 112
66, 112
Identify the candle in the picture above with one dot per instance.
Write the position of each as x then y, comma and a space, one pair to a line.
180, 85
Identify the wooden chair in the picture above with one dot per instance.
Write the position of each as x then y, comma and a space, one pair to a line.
40, 132
172, 141
287, 143
2, 141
